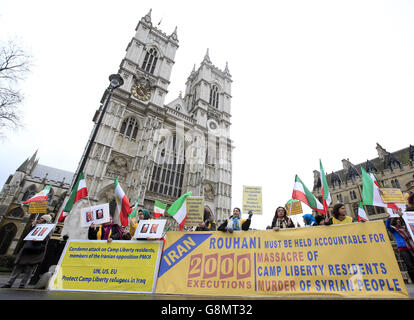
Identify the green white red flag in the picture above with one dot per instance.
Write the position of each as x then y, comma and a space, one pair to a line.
326, 195
123, 208
159, 208
301, 193
362, 216
40, 196
178, 210
370, 191
133, 213
79, 191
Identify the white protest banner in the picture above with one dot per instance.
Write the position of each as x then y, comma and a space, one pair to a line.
97, 214
40, 232
150, 229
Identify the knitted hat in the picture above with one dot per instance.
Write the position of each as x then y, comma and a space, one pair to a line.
47, 218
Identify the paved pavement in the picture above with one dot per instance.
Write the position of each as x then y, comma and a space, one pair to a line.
30, 293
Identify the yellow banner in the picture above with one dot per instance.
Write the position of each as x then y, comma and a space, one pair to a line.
392, 195
252, 199
294, 208
353, 260
37, 207
195, 211
119, 266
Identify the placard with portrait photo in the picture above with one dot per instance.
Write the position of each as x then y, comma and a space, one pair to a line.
97, 214
150, 229
40, 232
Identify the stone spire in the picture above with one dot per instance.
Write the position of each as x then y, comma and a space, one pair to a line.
174, 34
226, 69
207, 57
147, 17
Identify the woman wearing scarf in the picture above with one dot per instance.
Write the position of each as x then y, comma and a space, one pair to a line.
143, 214
405, 244
108, 231
309, 220
281, 220
235, 222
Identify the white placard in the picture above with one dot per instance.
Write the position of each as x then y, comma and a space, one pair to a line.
40, 232
150, 229
393, 213
97, 214
409, 221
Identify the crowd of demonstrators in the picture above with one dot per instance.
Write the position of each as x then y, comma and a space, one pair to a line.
29, 256
235, 222
33, 252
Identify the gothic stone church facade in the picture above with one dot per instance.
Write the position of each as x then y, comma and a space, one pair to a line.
160, 151
393, 170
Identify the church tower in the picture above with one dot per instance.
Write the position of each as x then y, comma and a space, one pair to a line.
208, 100
146, 143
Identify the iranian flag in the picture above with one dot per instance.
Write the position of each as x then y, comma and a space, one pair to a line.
40, 196
133, 213
362, 216
370, 191
301, 193
326, 195
79, 191
122, 204
178, 210
159, 209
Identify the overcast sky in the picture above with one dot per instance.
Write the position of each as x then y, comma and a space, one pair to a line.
311, 79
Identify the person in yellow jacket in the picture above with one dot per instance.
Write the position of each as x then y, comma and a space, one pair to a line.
339, 215
143, 214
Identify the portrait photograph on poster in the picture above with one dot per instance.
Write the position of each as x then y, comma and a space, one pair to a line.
97, 214
40, 232
150, 229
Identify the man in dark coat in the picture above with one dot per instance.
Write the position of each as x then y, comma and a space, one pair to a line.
29, 256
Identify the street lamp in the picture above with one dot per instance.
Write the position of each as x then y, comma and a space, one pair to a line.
115, 81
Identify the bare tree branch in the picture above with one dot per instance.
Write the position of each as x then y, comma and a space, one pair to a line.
14, 66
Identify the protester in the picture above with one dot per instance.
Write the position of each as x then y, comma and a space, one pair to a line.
108, 231
338, 215
309, 220
410, 200
125, 233
54, 250
281, 220
405, 244
208, 223
320, 219
235, 222
143, 214
29, 256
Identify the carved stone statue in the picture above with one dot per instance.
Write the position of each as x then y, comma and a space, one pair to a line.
316, 179
381, 151
118, 166
209, 192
